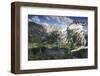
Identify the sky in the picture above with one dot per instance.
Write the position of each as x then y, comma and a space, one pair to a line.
61, 21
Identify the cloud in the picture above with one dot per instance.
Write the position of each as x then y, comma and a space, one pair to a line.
46, 24
66, 20
58, 19
30, 20
36, 19
48, 18
61, 19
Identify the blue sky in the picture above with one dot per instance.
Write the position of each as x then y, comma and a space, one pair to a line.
56, 20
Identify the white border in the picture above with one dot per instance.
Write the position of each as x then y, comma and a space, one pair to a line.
25, 64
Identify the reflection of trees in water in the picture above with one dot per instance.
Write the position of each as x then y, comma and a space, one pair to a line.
55, 53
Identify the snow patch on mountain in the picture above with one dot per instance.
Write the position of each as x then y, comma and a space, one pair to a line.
78, 30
